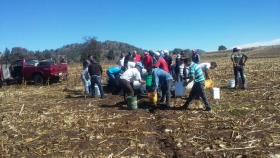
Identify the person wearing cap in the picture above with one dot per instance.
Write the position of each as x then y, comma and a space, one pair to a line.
127, 79
161, 63
195, 56
238, 60
147, 60
168, 59
95, 70
206, 67
63, 60
196, 75
164, 79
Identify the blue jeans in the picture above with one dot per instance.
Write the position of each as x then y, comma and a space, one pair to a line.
239, 69
96, 80
86, 84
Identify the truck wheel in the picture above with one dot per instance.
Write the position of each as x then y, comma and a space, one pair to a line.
1, 83
38, 79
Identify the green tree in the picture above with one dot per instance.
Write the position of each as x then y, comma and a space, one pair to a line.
111, 55
7, 55
91, 47
222, 47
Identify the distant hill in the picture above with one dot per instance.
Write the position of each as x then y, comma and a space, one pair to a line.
254, 52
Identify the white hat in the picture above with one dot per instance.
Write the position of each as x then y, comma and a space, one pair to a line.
178, 56
166, 51
238, 48
157, 54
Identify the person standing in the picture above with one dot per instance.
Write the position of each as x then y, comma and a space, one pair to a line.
86, 80
127, 59
135, 57
206, 67
196, 75
238, 60
147, 60
120, 61
195, 56
161, 63
181, 71
168, 59
95, 71
127, 79
164, 79
87, 61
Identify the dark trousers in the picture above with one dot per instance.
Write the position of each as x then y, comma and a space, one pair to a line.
239, 69
198, 89
96, 80
127, 89
165, 88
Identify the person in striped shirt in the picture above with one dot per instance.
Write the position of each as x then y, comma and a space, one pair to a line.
196, 75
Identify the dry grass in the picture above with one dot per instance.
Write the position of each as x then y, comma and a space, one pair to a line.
57, 121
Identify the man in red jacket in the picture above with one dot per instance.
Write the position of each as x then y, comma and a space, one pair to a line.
147, 60
161, 63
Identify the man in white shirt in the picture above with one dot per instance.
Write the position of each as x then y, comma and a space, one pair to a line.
130, 75
205, 67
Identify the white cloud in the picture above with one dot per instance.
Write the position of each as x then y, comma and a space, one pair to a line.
256, 44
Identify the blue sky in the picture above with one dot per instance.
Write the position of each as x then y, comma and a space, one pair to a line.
147, 24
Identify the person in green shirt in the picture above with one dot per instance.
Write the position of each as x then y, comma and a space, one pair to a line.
238, 60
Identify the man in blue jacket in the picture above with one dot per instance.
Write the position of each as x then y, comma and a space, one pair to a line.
164, 79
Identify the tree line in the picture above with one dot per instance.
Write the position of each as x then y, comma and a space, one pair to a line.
108, 50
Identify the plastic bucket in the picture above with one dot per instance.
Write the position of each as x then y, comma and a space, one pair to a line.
209, 84
132, 102
231, 83
149, 79
215, 93
152, 98
96, 90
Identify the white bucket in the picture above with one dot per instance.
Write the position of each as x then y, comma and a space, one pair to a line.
190, 85
96, 90
137, 85
230, 83
215, 93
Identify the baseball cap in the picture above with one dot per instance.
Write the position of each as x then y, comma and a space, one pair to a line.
157, 54
139, 64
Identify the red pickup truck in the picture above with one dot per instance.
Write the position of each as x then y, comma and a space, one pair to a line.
29, 69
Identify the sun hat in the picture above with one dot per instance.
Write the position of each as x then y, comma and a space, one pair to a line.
194, 50
166, 51
157, 54
238, 48
139, 64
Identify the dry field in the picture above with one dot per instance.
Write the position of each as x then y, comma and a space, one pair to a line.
56, 120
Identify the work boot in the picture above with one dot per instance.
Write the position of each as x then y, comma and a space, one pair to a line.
243, 87
184, 107
236, 87
208, 109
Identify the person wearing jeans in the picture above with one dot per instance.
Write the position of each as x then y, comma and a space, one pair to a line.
164, 79
86, 80
238, 60
96, 80
196, 75
95, 71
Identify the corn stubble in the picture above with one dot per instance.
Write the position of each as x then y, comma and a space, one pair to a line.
57, 120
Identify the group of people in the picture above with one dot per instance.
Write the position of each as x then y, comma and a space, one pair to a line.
132, 67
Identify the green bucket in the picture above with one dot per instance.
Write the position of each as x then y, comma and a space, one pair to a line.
149, 79
132, 102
